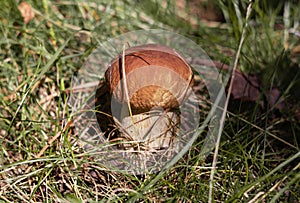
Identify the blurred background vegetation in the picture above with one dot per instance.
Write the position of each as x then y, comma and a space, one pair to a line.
42, 48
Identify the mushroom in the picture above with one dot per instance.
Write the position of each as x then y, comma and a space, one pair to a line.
145, 99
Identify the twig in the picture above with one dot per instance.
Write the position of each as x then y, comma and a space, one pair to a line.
222, 121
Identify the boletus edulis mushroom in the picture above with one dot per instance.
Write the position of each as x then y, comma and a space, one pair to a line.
147, 85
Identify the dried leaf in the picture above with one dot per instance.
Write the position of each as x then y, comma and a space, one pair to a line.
26, 11
272, 98
245, 87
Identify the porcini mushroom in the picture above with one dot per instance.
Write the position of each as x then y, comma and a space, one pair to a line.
147, 96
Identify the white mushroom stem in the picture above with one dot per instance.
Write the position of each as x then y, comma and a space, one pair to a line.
151, 131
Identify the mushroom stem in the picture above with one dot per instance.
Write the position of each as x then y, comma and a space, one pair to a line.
151, 131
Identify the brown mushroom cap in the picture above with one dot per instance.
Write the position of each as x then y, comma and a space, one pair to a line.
156, 75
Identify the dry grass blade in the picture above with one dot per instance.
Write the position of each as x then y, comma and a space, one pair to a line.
125, 81
126, 88
249, 9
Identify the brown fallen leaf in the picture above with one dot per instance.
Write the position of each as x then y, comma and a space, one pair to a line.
246, 87
26, 11
272, 97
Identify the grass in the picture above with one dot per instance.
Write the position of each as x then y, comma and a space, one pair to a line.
38, 60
